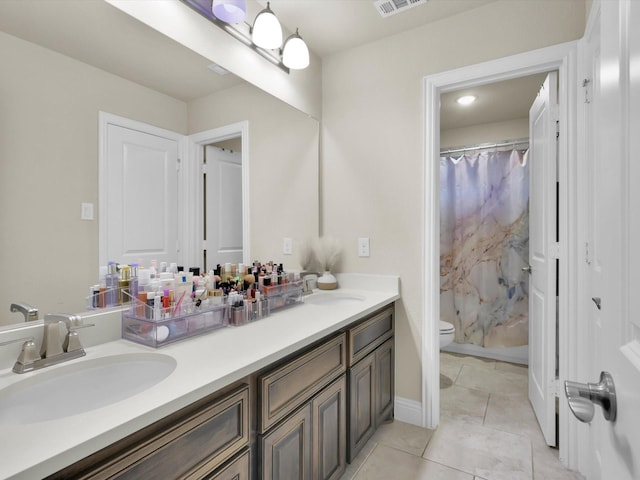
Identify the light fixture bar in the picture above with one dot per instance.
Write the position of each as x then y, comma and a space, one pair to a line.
203, 7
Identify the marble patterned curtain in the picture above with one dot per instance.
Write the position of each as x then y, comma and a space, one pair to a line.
484, 244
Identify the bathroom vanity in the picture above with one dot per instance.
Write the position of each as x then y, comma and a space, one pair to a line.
292, 396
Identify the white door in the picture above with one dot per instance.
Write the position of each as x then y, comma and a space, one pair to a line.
141, 195
223, 206
542, 256
614, 269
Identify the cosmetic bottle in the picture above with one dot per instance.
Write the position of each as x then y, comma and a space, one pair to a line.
149, 310
153, 269
144, 278
111, 281
133, 281
183, 288
102, 295
157, 308
123, 285
141, 305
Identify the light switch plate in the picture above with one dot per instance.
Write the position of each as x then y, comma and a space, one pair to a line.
287, 246
363, 246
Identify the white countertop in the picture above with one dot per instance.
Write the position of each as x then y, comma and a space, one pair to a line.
205, 364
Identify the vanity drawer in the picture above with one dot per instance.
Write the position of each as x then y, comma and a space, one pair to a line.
285, 388
367, 336
191, 446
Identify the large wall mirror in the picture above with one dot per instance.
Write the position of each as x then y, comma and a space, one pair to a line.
63, 63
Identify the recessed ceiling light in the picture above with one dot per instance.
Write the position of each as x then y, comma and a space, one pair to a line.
466, 100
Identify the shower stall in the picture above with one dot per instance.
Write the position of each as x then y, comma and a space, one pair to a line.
484, 249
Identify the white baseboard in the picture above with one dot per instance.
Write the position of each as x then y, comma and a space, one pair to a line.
408, 411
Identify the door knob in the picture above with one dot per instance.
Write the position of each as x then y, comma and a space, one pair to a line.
527, 269
583, 396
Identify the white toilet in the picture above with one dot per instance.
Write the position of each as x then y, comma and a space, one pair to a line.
447, 332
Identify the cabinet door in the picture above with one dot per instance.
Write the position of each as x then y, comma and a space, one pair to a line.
286, 450
330, 431
384, 382
362, 413
236, 470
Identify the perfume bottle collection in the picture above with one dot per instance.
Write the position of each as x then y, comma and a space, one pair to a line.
166, 303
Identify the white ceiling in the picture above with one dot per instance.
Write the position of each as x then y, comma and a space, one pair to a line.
98, 34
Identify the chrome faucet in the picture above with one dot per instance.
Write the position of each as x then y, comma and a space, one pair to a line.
30, 313
54, 348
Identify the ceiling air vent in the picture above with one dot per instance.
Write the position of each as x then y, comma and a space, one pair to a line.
386, 8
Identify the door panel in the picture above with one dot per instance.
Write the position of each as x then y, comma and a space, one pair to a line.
617, 340
223, 206
286, 450
330, 431
542, 240
362, 420
142, 196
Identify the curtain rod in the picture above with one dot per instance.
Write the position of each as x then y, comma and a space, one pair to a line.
486, 146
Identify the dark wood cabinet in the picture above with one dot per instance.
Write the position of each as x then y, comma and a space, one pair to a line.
362, 413
385, 379
190, 444
302, 418
329, 420
371, 378
303, 415
286, 449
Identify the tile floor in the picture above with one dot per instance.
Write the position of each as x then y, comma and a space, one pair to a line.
487, 431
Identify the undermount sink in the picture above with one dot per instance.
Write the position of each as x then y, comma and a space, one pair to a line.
81, 387
332, 299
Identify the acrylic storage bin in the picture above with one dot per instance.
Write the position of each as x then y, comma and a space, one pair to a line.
143, 324
280, 296
248, 312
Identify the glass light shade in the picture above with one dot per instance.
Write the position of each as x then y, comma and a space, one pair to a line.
295, 53
229, 11
267, 32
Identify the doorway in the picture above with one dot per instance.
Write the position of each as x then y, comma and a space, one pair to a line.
561, 58
230, 137
484, 217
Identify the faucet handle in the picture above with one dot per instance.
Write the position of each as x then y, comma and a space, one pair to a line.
72, 340
29, 352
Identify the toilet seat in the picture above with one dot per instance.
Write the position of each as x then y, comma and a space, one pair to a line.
446, 327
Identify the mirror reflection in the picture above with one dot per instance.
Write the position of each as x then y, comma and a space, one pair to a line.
52, 90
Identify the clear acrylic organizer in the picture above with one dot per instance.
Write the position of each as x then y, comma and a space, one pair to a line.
156, 327
280, 296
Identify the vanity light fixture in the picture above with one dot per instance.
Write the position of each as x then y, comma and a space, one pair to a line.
295, 53
230, 11
266, 31
466, 100
264, 37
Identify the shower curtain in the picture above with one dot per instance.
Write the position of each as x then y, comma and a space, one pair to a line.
484, 244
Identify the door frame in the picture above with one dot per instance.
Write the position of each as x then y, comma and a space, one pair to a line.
193, 174
560, 57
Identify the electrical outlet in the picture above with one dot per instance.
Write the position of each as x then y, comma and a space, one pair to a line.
86, 211
287, 246
363, 246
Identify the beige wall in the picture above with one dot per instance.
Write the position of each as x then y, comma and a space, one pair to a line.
49, 108
283, 148
372, 140
493, 132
